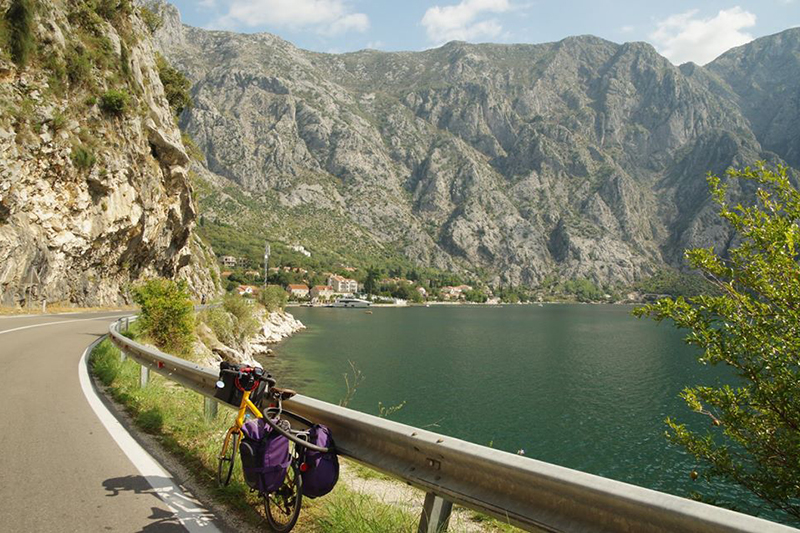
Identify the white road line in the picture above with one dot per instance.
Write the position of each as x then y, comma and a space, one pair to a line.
54, 323
194, 517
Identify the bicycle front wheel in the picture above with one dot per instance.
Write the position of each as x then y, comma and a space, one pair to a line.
283, 506
227, 457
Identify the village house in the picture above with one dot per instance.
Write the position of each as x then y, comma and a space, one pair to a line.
298, 291
322, 292
228, 261
249, 290
342, 285
455, 293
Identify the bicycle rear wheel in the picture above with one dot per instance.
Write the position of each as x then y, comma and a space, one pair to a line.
283, 506
227, 458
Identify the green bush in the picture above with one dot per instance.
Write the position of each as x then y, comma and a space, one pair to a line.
125, 60
114, 101
176, 85
79, 65
243, 311
151, 19
273, 298
58, 121
83, 14
83, 157
167, 314
20, 21
221, 323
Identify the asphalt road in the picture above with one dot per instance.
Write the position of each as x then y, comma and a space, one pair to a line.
60, 469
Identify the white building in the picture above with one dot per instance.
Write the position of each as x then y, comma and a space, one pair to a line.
301, 249
343, 285
298, 291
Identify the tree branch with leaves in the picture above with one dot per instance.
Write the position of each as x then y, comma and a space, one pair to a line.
753, 326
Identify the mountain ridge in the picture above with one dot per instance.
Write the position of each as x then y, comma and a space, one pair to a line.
578, 158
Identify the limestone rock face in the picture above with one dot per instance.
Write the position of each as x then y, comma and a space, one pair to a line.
91, 201
581, 158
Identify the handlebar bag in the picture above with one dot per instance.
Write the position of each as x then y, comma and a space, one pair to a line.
230, 393
320, 471
265, 456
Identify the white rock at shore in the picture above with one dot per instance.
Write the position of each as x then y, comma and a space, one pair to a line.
274, 328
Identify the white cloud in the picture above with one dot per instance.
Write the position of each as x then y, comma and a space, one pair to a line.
326, 17
461, 22
686, 37
627, 29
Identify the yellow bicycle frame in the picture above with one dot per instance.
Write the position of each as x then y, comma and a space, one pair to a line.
237, 427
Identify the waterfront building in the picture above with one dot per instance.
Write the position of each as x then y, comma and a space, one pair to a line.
320, 292
343, 285
298, 291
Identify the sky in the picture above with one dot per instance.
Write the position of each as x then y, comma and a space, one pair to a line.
681, 30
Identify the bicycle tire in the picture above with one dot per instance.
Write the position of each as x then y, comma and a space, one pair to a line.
227, 458
282, 507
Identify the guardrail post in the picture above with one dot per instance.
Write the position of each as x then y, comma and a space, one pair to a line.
209, 408
435, 514
144, 376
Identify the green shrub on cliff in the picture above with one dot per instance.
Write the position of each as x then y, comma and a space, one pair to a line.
20, 24
151, 19
167, 314
114, 101
273, 298
176, 85
244, 312
82, 157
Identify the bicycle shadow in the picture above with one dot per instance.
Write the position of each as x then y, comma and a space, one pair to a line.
163, 520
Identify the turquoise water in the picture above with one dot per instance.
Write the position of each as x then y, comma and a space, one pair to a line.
586, 387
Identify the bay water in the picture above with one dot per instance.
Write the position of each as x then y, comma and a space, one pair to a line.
583, 386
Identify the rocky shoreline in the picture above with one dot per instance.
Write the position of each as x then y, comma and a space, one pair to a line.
274, 327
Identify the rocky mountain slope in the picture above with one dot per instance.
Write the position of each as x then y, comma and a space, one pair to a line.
581, 158
94, 191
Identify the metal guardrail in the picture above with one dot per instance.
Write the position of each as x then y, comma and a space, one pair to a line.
527, 493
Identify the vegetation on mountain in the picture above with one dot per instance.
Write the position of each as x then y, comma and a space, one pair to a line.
19, 20
167, 314
80, 104
273, 298
114, 101
581, 159
176, 85
751, 326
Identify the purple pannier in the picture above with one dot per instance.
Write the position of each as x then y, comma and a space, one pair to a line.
320, 471
265, 456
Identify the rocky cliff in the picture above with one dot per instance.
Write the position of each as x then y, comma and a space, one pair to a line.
94, 191
581, 158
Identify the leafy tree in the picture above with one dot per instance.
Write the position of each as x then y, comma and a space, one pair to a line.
753, 326
476, 295
167, 314
273, 298
371, 281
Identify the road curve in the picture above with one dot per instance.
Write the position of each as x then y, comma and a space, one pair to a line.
60, 469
